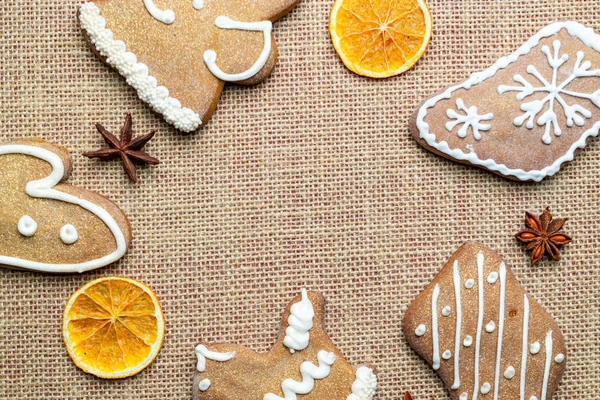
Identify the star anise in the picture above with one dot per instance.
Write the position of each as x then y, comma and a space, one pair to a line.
128, 148
407, 396
543, 235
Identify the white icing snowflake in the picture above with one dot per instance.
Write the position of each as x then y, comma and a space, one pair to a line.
470, 119
574, 113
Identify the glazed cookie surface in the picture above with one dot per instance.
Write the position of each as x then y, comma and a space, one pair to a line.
49, 226
526, 115
304, 362
178, 54
485, 337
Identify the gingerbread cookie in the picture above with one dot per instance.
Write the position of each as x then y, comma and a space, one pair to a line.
304, 362
178, 58
527, 114
50, 226
481, 332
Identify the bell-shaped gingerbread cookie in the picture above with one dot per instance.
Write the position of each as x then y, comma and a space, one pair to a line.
485, 337
49, 226
178, 54
304, 362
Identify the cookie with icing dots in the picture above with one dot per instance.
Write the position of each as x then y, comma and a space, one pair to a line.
178, 54
485, 337
526, 115
47, 225
304, 362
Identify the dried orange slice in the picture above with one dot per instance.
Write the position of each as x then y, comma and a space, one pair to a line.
113, 327
380, 38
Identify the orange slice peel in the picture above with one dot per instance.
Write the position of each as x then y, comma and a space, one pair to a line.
113, 327
380, 38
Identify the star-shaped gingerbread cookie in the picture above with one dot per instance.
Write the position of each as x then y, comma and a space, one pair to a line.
178, 54
304, 361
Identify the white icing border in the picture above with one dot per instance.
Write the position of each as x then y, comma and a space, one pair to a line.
43, 188
575, 29
136, 74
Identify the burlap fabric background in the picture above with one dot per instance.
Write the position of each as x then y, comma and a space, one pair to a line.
308, 180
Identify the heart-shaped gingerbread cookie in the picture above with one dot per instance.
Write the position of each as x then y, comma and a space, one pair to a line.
178, 54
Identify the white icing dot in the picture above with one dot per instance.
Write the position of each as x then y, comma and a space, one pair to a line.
420, 331
492, 277
533, 398
447, 355
463, 396
198, 4
485, 388
468, 341
559, 358
27, 226
68, 234
446, 311
204, 385
470, 283
509, 373
490, 327
535, 348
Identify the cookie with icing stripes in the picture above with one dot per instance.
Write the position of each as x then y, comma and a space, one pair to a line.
485, 337
304, 361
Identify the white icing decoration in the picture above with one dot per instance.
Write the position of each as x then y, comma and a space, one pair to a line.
559, 358
468, 342
364, 386
575, 113
420, 330
490, 327
456, 281
485, 388
135, 73
309, 372
68, 234
509, 373
535, 348
469, 283
164, 16
480, 311
501, 313
492, 277
43, 188
446, 311
300, 322
446, 355
210, 56
548, 364
204, 385
470, 119
463, 396
533, 398
27, 226
524, 346
198, 4
586, 35
202, 353
434, 327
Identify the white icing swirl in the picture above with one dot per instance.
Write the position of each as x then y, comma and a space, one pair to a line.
135, 73
309, 373
300, 322
365, 384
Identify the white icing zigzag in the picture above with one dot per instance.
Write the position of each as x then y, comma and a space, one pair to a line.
365, 384
43, 188
300, 322
135, 73
309, 372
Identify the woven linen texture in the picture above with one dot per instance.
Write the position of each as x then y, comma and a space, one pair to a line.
309, 180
